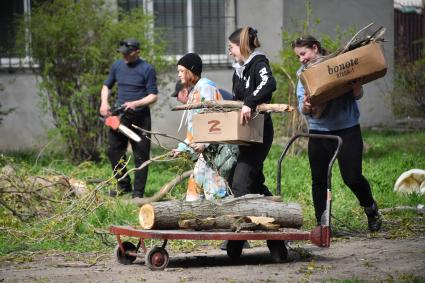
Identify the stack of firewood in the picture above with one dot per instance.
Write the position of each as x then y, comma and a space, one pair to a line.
250, 212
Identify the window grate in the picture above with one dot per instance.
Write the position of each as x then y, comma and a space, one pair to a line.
10, 58
409, 36
199, 26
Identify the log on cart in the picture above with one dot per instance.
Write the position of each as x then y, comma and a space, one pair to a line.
229, 213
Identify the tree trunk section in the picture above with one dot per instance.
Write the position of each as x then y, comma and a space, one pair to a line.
232, 222
168, 214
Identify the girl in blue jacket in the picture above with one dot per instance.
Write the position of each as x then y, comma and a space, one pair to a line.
339, 116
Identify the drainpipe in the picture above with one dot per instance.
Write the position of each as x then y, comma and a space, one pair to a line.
190, 30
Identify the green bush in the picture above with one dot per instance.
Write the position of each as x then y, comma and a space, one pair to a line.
409, 89
74, 43
285, 70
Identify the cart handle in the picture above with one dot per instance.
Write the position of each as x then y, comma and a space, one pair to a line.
316, 136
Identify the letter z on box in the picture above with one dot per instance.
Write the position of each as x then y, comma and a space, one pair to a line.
225, 127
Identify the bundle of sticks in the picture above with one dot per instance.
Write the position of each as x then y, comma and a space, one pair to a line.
361, 38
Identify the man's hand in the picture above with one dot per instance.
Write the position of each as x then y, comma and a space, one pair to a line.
104, 109
144, 102
245, 114
131, 105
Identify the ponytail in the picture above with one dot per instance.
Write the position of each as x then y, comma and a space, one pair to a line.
246, 38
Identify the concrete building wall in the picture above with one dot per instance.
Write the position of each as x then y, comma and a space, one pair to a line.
25, 127
267, 18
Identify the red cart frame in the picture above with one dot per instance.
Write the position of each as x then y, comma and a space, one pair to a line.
157, 258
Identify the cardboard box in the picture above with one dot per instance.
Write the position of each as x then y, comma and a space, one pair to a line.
225, 127
331, 78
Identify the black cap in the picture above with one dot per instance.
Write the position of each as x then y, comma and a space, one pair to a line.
192, 62
179, 87
128, 45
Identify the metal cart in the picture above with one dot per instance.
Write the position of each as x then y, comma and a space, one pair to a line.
157, 258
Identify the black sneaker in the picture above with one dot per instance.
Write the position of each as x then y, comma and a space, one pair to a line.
115, 193
234, 248
223, 245
278, 250
374, 219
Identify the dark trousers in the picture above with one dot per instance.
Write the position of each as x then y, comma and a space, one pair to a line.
117, 151
248, 177
320, 152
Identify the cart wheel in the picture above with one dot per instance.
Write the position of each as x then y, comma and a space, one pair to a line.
277, 250
234, 249
157, 258
125, 258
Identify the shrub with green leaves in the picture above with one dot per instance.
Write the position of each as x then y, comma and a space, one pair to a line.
74, 43
285, 70
409, 89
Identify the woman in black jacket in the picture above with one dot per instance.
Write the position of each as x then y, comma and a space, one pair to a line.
253, 84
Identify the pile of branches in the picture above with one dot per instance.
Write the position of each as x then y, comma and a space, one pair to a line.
362, 38
53, 204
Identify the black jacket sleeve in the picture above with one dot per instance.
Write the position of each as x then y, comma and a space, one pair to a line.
263, 86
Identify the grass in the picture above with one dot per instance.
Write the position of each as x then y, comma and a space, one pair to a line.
388, 155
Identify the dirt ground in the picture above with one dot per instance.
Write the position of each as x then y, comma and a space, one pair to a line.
368, 259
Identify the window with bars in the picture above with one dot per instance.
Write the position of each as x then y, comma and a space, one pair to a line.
10, 12
199, 26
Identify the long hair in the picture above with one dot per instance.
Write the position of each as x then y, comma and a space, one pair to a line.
247, 39
309, 41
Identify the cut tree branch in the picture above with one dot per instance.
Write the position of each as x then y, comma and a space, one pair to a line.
164, 190
235, 105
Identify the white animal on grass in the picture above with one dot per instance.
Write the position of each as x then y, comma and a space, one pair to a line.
411, 181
